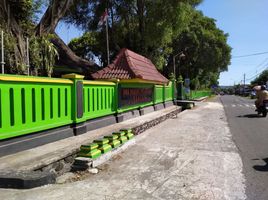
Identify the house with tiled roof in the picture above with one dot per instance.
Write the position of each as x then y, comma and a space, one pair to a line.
129, 65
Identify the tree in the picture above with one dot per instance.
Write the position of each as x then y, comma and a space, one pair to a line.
43, 54
144, 26
14, 16
261, 79
205, 47
18, 18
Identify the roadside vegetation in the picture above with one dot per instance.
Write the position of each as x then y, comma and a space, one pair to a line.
155, 29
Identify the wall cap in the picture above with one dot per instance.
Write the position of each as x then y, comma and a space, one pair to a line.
73, 76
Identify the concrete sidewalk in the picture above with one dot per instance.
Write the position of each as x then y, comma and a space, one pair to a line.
44, 155
189, 157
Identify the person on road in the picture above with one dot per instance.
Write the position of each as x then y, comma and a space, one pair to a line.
261, 95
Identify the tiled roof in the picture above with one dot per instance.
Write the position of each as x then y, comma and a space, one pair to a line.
130, 65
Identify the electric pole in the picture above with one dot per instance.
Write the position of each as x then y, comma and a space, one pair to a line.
244, 83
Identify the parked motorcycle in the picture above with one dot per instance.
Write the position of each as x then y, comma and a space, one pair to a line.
263, 109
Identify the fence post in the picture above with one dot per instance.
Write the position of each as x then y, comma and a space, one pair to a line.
164, 93
77, 102
116, 96
174, 90
180, 93
154, 95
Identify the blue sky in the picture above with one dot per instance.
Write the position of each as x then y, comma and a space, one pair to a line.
246, 23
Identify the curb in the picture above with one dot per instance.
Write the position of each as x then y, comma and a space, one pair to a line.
26, 180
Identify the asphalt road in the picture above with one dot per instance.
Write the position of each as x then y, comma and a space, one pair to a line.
250, 133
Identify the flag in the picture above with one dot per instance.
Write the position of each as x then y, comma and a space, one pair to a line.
103, 18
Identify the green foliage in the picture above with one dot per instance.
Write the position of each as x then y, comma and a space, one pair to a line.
43, 54
19, 24
144, 26
261, 79
88, 46
158, 30
9, 54
206, 50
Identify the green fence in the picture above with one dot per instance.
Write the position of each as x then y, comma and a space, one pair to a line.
169, 92
99, 99
196, 94
159, 94
32, 104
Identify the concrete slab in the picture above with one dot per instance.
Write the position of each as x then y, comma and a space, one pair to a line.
127, 115
146, 110
100, 122
168, 104
159, 106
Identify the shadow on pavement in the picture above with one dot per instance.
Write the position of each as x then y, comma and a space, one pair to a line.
250, 116
262, 168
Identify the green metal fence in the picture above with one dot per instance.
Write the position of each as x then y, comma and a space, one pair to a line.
28, 105
159, 94
196, 94
32, 104
169, 92
99, 99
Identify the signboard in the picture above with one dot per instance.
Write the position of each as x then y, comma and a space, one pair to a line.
134, 96
187, 82
187, 87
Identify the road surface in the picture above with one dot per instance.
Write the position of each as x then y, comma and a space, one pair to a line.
250, 134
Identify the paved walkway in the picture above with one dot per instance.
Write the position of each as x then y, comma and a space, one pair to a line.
189, 157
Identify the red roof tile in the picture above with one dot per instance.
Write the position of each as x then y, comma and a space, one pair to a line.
130, 65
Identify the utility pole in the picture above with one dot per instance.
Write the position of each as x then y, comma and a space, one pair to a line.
244, 83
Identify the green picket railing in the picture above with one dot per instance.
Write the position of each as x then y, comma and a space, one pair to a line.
99, 99
169, 90
31, 104
196, 94
159, 94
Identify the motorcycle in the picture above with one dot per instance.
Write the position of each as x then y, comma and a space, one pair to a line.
263, 109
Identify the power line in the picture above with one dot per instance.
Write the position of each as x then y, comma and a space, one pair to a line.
248, 55
255, 76
259, 66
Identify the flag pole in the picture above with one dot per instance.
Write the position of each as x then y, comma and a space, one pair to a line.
27, 56
107, 39
2, 52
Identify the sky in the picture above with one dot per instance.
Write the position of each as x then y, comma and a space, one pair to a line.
246, 23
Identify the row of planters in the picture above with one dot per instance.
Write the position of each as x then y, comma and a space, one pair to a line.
106, 144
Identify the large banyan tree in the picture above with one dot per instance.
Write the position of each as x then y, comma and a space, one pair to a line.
18, 19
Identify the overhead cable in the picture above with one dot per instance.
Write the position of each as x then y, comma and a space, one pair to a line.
248, 55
